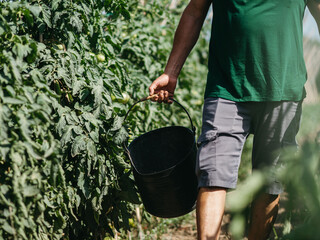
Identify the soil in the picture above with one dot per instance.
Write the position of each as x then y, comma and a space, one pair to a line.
188, 231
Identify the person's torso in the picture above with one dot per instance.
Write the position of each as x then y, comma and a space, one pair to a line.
256, 50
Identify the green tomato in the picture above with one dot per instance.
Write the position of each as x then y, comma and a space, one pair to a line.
131, 222
134, 36
101, 57
60, 46
126, 97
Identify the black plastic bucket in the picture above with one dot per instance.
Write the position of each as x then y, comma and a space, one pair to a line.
163, 163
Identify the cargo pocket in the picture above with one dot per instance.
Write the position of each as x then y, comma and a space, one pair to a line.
207, 137
206, 153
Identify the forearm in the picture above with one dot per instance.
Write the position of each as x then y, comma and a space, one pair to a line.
186, 36
314, 7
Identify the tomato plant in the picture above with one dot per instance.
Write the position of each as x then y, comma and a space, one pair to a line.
68, 72
63, 170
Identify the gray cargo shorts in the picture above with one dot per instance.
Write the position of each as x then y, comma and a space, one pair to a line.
226, 125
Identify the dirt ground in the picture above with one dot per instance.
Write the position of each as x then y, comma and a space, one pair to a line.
188, 231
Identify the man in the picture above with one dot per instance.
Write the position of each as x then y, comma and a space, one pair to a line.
255, 85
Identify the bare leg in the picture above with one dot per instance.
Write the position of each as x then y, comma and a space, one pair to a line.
263, 215
210, 209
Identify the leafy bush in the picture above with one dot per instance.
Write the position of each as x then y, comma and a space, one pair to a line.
68, 71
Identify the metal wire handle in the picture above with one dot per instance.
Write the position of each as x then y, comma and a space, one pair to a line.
172, 99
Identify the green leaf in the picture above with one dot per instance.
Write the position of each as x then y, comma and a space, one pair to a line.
21, 50
84, 94
55, 4
4, 189
120, 136
8, 228
15, 70
9, 100
31, 151
71, 39
28, 93
62, 73
117, 123
110, 49
67, 136
52, 148
76, 87
41, 47
29, 191
147, 62
83, 185
2, 30
106, 111
17, 158
94, 136
91, 148
97, 92
125, 13
237, 226
46, 15
76, 23
78, 145
11, 91
34, 9
240, 198
61, 125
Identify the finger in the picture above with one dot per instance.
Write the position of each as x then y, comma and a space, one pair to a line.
166, 96
152, 87
155, 99
159, 100
166, 99
151, 90
161, 95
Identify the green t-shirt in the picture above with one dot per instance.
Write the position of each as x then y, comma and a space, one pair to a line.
256, 50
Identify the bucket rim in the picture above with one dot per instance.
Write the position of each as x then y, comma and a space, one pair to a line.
168, 169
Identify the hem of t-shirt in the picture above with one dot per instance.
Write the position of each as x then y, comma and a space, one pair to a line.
253, 99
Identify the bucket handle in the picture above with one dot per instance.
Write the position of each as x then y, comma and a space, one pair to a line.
172, 99
148, 98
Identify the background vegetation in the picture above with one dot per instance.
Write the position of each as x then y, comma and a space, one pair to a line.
69, 70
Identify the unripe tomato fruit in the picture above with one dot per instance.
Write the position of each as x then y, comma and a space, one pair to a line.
60, 47
101, 57
126, 97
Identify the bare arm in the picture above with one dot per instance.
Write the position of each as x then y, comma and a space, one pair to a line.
185, 38
314, 7
186, 35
